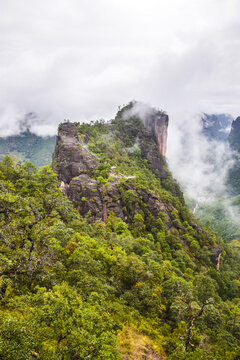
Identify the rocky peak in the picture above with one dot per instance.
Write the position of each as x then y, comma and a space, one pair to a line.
157, 124
98, 189
76, 165
216, 126
236, 125
234, 136
155, 121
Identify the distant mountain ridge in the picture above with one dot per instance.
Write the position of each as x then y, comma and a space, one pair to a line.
234, 136
216, 126
223, 214
234, 141
28, 147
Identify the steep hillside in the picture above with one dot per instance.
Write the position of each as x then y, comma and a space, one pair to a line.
109, 160
117, 269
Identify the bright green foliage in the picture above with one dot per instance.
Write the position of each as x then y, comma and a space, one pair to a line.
69, 288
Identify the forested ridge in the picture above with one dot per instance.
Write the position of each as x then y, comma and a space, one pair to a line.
77, 287
28, 147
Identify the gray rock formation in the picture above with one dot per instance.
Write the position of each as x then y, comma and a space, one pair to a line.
155, 121
234, 136
75, 166
157, 125
71, 157
216, 126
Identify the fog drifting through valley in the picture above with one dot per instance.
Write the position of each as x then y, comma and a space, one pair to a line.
199, 164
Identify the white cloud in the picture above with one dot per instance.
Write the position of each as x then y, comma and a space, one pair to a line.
200, 165
81, 59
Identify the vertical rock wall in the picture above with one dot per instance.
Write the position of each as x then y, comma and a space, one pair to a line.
234, 136
157, 125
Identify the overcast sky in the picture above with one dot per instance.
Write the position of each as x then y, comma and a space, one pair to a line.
81, 59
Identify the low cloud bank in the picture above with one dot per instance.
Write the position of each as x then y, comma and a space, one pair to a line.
79, 60
199, 164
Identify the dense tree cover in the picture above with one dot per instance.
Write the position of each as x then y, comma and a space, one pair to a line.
73, 289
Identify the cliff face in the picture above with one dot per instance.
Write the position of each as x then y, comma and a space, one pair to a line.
117, 168
157, 125
234, 136
71, 157
75, 166
155, 121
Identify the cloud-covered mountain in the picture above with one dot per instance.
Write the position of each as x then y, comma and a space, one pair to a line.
27, 146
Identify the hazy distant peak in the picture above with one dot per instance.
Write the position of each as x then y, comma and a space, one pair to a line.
216, 126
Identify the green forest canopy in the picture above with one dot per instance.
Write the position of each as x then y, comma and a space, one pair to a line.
73, 289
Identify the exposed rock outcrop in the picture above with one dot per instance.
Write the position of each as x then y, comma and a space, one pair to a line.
95, 196
157, 125
155, 121
216, 255
71, 156
75, 166
234, 136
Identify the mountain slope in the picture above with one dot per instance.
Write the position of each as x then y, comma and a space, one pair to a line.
122, 270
